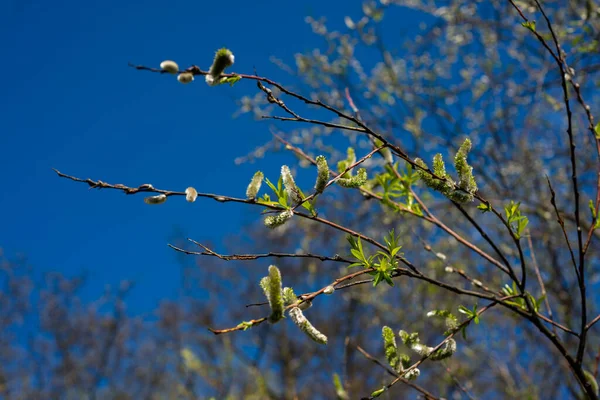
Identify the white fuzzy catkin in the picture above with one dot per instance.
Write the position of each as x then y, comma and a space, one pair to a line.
169, 66
306, 327
254, 186
273, 221
290, 185
329, 290
191, 194
185, 77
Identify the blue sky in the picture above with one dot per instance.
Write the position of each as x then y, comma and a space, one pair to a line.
70, 102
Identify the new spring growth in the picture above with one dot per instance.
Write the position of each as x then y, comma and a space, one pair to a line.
306, 327
273, 221
340, 392
169, 66
289, 297
355, 181
191, 194
223, 58
271, 285
159, 199
398, 361
386, 153
343, 164
390, 348
290, 186
254, 186
589, 377
450, 319
445, 186
446, 351
466, 182
329, 290
412, 341
322, 174
185, 77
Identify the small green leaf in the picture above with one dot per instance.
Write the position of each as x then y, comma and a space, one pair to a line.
232, 80
529, 25
378, 393
484, 207
357, 254
464, 310
539, 301
597, 130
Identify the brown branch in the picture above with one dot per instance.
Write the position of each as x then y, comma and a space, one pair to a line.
446, 339
340, 175
434, 220
242, 326
314, 121
246, 257
390, 371
561, 222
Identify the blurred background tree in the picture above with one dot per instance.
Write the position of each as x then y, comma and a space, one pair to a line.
470, 70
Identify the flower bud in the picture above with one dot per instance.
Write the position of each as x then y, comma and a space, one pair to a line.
159, 199
169, 66
185, 77
191, 194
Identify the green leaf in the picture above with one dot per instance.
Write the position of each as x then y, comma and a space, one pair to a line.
484, 207
464, 310
378, 393
273, 188
357, 254
377, 279
539, 301
232, 80
529, 25
597, 130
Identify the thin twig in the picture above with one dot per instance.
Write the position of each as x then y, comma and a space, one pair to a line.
246, 257
393, 373
536, 267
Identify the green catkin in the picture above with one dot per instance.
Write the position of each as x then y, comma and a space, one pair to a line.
223, 58
355, 181
466, 181
412, 341
343, 164
390, 348
449, 318
461, 192
273, 221
289, 297
271, 285
446, 351
322, 174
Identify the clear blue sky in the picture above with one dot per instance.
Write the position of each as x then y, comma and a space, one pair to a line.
70, 102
